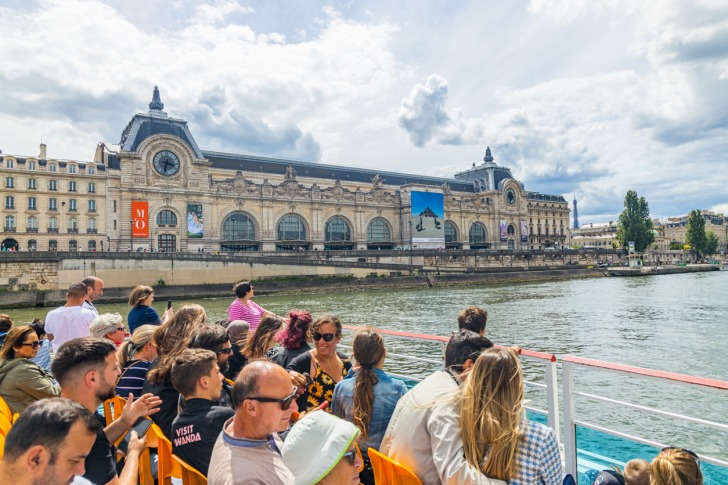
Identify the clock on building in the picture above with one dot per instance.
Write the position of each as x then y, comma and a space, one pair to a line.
510, 196
166, 163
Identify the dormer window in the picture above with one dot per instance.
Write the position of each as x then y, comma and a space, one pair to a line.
71, 169
51, 167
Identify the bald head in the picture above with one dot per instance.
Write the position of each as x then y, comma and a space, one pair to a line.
248, 382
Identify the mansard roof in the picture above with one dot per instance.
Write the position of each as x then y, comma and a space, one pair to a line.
143, 126
278, 166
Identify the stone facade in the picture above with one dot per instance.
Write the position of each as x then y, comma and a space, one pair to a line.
248, 203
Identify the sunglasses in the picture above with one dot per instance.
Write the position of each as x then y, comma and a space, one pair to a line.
121, 329
691, 453
228, 350
35, 345
328, 337
285, 402
351, 455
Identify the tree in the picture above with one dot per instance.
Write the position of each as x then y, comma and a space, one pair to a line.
635, 223
676, 245
711, 244
695, 233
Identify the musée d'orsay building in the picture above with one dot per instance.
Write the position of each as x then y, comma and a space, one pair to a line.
157, 190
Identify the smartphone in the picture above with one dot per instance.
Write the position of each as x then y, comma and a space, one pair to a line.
169, 303
141, 427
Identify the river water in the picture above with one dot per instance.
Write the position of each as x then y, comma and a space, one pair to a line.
676, 323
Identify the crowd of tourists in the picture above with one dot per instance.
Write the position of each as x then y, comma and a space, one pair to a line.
259, 398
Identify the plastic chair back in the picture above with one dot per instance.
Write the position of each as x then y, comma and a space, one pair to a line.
5, 410
167, 467
190, 475
5, 425
2, 446
389, 472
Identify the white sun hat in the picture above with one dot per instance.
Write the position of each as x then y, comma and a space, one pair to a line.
315, 445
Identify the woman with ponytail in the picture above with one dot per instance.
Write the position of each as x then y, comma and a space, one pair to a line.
135, 357
676, 466
497, 437
368, 396
295, 338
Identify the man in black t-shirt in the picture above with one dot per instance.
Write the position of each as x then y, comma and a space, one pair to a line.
196, 376
87, 369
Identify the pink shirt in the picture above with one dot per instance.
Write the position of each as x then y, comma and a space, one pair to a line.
250, 313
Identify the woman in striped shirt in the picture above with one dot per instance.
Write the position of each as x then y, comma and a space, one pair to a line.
135, 358
243, 308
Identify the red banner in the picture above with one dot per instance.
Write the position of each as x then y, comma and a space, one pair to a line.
139, 218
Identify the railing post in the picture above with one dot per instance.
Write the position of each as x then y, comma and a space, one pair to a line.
552, 397
567, 376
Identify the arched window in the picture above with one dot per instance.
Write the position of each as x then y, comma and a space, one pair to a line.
338, 234
291, 233
478, 236
238, 233
166, 218
379, 235
511, 230
452, 241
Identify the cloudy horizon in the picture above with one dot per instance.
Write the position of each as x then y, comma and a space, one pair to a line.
577, 98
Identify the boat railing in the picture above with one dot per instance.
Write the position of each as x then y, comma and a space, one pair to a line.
550, 384
571, 421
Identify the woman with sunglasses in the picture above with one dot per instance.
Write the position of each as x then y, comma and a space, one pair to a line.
318, 371
676, 466
22, 382
109, 326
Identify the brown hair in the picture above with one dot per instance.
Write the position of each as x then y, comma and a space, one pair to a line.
264, 337
369, 351
139, 294
15, 338
188, 367
327, 319
473, 318
173, 337
6, 322
675, 466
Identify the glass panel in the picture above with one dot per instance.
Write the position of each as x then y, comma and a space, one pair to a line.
337, 230
52, 245
238, 227
477, 233
291, 228
92, 245
451, 232
378, 231
32, 245
166, 218
72, 245
167, 243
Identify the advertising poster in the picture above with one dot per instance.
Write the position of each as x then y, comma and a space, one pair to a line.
139, 219
194, 220
428, 219
524, 231
504, 230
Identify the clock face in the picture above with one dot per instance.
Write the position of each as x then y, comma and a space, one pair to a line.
510, 196
166, 163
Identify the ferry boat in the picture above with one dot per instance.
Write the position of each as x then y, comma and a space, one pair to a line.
586, 445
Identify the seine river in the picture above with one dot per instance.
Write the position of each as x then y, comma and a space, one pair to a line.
676, 323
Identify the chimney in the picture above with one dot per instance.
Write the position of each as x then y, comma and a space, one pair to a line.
42, 155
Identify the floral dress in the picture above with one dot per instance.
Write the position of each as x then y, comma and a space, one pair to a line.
322, 387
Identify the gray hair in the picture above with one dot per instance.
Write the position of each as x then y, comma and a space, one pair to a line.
104, 324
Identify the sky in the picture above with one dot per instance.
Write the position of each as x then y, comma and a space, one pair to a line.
579, 98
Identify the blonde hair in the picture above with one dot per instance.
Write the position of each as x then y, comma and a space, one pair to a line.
491, 413
141, 337
264, 337
173, 337
675, 466
637, 472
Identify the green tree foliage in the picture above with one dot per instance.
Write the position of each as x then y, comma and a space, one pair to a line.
676, 245
695, 233
635, 223
711, 243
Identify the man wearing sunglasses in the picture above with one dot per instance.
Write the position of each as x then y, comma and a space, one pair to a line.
249, 449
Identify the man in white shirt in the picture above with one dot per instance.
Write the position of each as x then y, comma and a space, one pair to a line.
95, 288
71, 320
424, 432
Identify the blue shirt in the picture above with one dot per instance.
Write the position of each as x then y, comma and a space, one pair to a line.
386, 394
132, 378
43, 357
142, 315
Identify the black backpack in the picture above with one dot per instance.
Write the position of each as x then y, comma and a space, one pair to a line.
608, 477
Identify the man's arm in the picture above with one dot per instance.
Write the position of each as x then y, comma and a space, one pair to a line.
447, 449
130, 473
146, 405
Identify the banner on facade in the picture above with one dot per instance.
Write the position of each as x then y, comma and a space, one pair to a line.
524, 232
139, 219
504, 230
428, 219
194, 220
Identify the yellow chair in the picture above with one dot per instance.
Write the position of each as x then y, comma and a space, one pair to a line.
5, 425
2, 446
5, 410
190, 475
389, 472
113, 408
167, 467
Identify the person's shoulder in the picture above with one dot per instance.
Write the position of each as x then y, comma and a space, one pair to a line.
221, 413
300, 360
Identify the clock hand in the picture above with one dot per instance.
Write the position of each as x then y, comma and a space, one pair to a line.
166, 164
